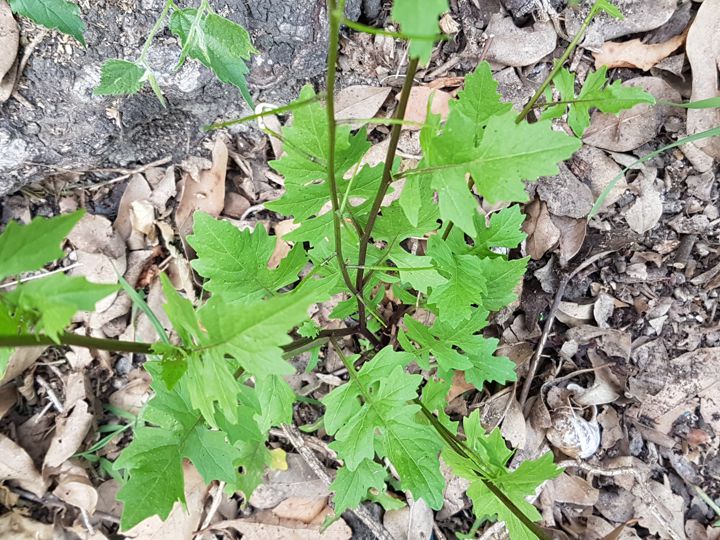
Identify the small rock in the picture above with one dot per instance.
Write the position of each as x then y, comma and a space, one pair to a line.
517, 47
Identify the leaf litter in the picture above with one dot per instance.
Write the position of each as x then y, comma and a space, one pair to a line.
638, 318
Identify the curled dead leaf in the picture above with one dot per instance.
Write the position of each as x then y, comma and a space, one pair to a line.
542, 232
9, 44
359, 102
203, 190
418, 105
18, 527
69, 434
635, 53
17, 465
703, 52
74, 487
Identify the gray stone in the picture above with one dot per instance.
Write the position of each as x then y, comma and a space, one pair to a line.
59, 125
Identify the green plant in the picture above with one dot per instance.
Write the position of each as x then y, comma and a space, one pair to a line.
59, 14
439, 267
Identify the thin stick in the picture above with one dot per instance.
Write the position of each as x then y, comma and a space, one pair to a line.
296, 439
335, 16
127, 175
385, 184
557, 67
39, 276
532, 368
51, 394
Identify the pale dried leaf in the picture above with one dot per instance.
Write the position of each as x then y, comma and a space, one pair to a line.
133, 395
21, 359
414, 522
513, 426
659, 510
69, 434
646, 211
286, 531
299, 480
204, 194
542, 232
8, 398
16, 464
635, 53
359, 102
74, 487
517, 47
574, 490
137, 189
418, 104
9, 44
703, 52
302, 509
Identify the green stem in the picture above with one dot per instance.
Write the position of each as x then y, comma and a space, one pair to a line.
359, 27
279, 110
154, 30
66, 338
557, 67
386, 181
334, 46
462, 449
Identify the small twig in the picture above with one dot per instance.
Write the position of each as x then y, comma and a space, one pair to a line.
39, 276
296, 439
129, 173
86, 520
51, 394
535, 361
217, 499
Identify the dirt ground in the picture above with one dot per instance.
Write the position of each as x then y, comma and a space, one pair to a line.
618, 312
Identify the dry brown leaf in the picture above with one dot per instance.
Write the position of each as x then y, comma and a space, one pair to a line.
16, 464
647, 209
9, 43
703, 52
542, 232
359, 102
287, 530
20, 360
74, 487
137, 189
300, 508
572, 236
659, 510
19, 527
635, 53
299, 480
99, 268
413, 522
418, 105
666, 389
282, 247
636, 126
163, 190
180, 524
95, 234
597, 170
69, 434
513, 426
133, 395
574, 490
204, 192
517, 47
565, 195
8, 398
